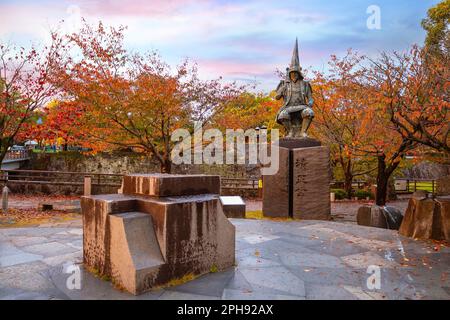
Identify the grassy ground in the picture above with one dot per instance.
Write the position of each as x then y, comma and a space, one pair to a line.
258, 215
427, 186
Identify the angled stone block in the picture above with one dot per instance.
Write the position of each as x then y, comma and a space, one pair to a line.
135, 255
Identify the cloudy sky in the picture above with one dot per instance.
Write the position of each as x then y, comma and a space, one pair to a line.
243, 40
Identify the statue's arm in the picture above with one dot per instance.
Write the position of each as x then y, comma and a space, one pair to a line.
280, 91
309, 95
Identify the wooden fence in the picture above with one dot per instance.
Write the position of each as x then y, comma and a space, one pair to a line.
43, 177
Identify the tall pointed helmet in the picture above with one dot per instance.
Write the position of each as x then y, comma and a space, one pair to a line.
295, 64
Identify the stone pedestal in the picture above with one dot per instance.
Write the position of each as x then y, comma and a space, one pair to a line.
301, 187
162, 227
427, 219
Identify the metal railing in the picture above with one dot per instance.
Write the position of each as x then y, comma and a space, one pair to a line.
411, 185
17, 155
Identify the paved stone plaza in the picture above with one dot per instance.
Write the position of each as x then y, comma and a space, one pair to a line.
275, 260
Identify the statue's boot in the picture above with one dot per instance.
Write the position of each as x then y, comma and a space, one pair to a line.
289, 129
305, 125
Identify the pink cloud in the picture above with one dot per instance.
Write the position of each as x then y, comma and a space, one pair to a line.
228, 67
133, 7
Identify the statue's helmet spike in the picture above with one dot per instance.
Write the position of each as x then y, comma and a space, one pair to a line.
295, 63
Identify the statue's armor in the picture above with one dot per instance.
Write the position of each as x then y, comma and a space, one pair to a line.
297, 96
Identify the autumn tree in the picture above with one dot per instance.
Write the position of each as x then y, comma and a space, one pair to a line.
416, 95
25, 85
57, 121
134, 100
437, 26
248, 111
339, 103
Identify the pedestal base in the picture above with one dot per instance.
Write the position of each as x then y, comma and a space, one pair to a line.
301, 187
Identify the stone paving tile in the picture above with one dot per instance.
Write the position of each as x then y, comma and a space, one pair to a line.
94, 288
211, 284
230, 294
175, 295
50, 249
22, 241
328, 233
361, 294
256, 291
75, 257
7, 248
258, 238
310, 260
258, 256
330, 276
327, 292
18, 258
26, 276
277, 278
337, 248
286, 245
19, 294
10, 255
238, 282
366, 259
402, 284
255, 262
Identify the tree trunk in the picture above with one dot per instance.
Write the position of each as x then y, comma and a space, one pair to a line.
348, 175
382, 181
3, 149
383, 176
348, 180
166, 166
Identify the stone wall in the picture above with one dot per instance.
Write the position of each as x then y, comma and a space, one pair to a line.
119, 163
427, 170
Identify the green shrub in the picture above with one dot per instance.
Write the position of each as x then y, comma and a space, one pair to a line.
339, 194
363, 194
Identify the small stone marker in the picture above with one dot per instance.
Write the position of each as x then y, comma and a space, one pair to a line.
5, 193
233, 206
